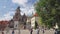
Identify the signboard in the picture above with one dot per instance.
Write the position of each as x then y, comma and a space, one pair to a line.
33, 22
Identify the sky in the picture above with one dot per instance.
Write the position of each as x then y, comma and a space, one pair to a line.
8, 7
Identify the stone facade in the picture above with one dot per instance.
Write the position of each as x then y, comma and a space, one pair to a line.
18, 20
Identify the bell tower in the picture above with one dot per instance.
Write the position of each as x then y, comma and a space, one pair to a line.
17, 17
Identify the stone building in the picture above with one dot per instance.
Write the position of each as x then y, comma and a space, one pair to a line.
3, 25
22, 21
18, 21
33, 21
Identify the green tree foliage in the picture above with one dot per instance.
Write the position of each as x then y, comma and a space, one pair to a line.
49, 12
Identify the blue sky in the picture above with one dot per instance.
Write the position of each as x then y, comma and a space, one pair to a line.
8, 7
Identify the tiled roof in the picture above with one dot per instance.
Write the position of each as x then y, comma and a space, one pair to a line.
35, 14
3, 24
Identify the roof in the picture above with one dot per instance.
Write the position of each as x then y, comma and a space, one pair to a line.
3, 24
35, 14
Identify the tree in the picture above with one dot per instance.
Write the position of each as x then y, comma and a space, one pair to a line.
49, 12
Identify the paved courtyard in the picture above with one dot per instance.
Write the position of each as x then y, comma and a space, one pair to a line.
28, 32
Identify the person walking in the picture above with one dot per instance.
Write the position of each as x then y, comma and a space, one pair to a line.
13, 32
2, 32
55, 31
24, 25
31, 30
43, 30
38, 30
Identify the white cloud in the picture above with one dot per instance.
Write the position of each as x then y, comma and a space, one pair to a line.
20, 2
12, 9
28, 10
4, 6
7, 16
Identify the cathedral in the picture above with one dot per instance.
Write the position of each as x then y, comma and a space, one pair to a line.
18, 21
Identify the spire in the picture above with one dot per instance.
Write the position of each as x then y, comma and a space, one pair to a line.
24, 15
32, 14
24, 18
17, 15
18, 9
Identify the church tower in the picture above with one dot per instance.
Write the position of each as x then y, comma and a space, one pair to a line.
17, 18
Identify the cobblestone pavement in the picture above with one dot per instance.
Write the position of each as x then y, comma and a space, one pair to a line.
27, 32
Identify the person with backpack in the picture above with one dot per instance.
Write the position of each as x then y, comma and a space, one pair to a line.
13, 32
